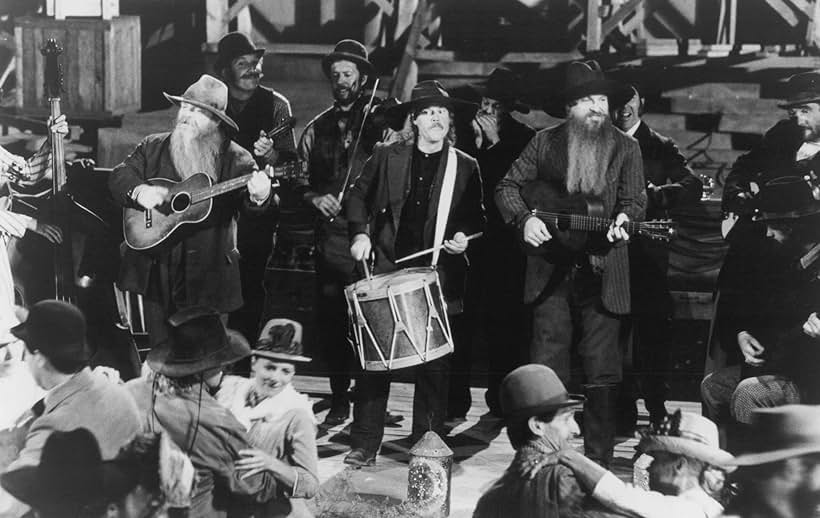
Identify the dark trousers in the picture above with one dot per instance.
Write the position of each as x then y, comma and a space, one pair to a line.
459, 398
373, 390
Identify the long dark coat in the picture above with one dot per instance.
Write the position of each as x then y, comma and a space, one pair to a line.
377, 198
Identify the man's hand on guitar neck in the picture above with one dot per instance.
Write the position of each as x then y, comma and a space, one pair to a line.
535, 231
616, 231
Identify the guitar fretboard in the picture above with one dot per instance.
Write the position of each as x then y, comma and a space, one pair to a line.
586, 223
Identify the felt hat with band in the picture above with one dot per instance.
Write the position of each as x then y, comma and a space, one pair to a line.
233, 45
532, 390
801, 89
348, 50
502, 85
210, 94
431, 93
55, 328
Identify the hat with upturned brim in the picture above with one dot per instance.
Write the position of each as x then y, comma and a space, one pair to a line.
533, 390
782, 433
233, 45
502, 85
431, 93
210, 94
802, 88
785, 198
348, 50
688, 434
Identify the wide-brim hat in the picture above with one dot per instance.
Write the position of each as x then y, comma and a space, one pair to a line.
281, 340
348, 50
801, 89
431, 93
208, 93
55, 328
787, 197
689, 434
585, 78
781, 433
198, 341
71, 474
532, 390
233, 45
503, 85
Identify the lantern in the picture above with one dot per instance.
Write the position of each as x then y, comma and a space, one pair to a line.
429, 475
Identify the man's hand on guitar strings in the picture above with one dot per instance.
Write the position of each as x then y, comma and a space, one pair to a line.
616, 231
259, 187
812, 326
150, 196
457, 245
327, 204
535, 231
360, 247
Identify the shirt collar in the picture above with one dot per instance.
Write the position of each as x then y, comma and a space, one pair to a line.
634, 129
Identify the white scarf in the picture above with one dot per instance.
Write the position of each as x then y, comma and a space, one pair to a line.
234, 395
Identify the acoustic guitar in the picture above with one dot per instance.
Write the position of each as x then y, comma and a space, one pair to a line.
189, 201
570, 218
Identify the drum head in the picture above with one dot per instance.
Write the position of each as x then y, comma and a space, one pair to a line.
400, 281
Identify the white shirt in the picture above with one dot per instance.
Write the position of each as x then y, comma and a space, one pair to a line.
807, 150
634, 501
631, 131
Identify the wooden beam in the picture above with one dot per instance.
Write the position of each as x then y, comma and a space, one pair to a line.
215, 24
812, 36
785, 12
594, 38
236, 8
804, 6
619, 16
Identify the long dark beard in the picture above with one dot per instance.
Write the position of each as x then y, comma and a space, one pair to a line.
589, 150
194, 150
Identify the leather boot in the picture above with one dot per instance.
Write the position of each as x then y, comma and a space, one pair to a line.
600, 417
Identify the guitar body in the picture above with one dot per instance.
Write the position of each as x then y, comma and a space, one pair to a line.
146, 229
565, 242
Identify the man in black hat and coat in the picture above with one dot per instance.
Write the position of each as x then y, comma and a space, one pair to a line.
197, 264
497, 263
327, 145
54, 333
256, 109
670, 183
582, 157
413, 195
780, 357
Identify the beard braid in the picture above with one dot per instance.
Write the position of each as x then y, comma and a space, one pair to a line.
195, 151
589, 150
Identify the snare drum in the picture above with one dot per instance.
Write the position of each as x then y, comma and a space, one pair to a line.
398, 319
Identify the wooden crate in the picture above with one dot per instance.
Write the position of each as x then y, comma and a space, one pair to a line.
101, 63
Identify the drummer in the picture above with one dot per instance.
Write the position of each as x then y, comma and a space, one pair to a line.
421, 192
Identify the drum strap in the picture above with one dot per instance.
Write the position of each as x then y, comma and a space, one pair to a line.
444, 202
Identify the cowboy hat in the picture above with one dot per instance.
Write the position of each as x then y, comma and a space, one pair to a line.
801, 89
584, 78
233, 45
71, 475
55, 328
689, 434
532, 390
431, 93
197, 342
348, 50
281, 340
502, 85
787, 197
782, 433
208, 93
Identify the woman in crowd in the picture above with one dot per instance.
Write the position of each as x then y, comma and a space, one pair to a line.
279, 420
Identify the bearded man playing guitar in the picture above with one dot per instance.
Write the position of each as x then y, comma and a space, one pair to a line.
586, 155
199, 263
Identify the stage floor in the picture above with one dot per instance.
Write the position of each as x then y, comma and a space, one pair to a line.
482, 453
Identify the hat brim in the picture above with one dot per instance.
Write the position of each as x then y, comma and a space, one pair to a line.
688, 447
281, 357
176, 99
461, 109
775, 216
21, 332
572, 400
365, 66
791, 103
513, 103
235, 349
754, 459
26, 485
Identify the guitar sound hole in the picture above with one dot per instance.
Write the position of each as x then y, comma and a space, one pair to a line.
180, 202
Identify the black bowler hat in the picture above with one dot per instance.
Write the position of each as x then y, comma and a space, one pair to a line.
801, 89
532, 390
431, 93
55, 328
502, 84
233, 45
348, 50
787, 197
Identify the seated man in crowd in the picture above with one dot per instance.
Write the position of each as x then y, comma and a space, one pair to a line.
540, 422
686, 476
57, 355
780, 360
177, 398
779, 475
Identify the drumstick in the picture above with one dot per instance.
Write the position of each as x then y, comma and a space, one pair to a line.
366, 269
433, 249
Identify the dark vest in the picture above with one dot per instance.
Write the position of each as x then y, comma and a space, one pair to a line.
256, 116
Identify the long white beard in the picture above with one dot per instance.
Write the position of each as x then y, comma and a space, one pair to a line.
195, 151
589, 151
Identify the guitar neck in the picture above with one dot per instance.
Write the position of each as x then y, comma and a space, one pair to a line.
586, 223
221, 188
